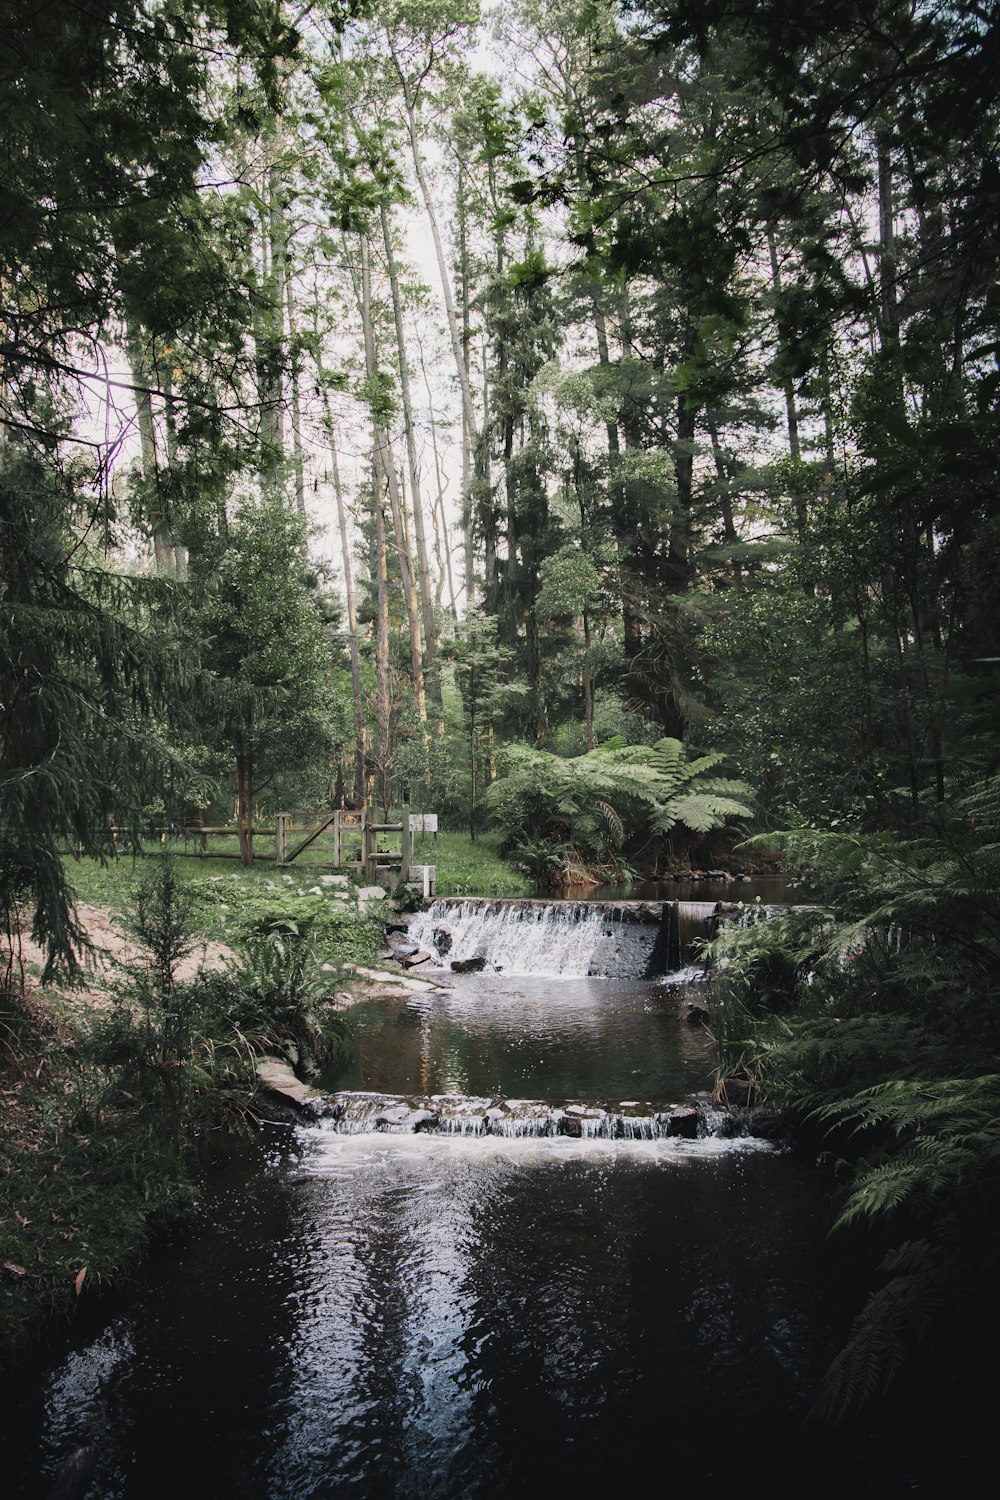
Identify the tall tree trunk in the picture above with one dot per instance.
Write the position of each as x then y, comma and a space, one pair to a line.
423, 571
383, 701
454, 329
588, 687
467, 431
631, 628
888, 310
270, 337
244, 804
791, 410
725, 500
360, 780
163, 542
298, 458
385, 465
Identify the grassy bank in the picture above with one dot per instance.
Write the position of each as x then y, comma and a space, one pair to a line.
116, 1095
465, 867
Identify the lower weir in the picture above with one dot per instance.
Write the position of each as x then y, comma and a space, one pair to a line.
362, 1113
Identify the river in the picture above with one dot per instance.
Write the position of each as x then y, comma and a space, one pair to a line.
467, 1312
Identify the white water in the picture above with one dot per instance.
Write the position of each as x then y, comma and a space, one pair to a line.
576, 938
364, 1113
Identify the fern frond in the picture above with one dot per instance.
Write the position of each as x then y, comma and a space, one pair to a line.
891, 1324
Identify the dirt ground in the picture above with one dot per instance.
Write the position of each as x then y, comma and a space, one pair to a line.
112, 946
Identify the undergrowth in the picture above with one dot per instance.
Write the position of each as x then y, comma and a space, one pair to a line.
112, 1108
872, 1022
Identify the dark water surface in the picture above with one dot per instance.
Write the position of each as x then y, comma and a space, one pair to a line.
541, 1037
429, 1318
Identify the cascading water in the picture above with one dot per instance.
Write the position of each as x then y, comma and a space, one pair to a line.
348, 1113
624, 940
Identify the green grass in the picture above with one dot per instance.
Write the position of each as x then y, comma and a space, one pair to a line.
470, 868
465, 867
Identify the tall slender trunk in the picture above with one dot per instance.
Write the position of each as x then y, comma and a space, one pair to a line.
888, 310
791, 410
170, 433
725, 500
244, 804
423, 571
680, 529
298, 458
383, 703
163, 542
468, 541
360, 780
385, 465
631, 628
270, 337
588, 686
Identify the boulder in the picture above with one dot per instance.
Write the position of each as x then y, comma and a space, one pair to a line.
411, 960
275, 1074
401, 947
467, 965
442, 938
682, 1120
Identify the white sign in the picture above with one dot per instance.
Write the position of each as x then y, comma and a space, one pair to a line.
423, 822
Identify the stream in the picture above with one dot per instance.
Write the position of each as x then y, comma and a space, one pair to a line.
380, 1310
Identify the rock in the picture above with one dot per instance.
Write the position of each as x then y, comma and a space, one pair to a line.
276, 1075
697, 1015
404, 1115
339, 880
368, 895
418, 956
401, 947
575, 1115
442, 938
682, 1120
467, 965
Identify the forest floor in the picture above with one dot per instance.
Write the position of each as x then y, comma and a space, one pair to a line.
114, 950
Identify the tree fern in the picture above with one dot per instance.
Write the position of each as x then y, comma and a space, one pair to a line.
634, 791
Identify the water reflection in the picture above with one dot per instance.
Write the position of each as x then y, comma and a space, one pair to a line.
532, 1038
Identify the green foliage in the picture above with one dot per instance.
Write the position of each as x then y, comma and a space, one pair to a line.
564, 817
873, 1020
90, 674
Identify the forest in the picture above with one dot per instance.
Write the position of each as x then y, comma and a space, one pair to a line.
575, 418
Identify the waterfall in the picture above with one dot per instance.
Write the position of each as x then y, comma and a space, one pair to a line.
622, 939
349, 1113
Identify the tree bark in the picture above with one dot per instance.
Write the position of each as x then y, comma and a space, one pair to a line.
423, 571
385, 465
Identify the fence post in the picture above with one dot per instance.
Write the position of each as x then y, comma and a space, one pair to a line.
280, 837
405, 846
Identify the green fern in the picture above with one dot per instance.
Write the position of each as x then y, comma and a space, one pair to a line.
596, 802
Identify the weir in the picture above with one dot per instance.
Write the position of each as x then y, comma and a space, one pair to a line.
619, 939
364, 1113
